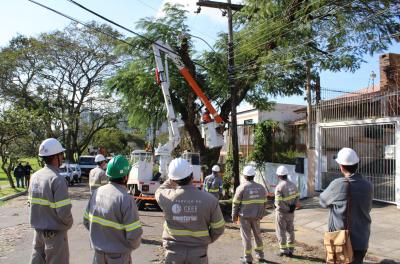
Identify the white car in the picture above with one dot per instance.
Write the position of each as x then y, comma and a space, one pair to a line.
71, 173
76, 172
66, 172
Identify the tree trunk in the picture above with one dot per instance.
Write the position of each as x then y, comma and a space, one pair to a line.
8, 171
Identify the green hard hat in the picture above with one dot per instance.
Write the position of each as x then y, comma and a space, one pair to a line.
118, 167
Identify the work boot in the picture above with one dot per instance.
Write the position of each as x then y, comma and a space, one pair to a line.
282, 253
244, 261
262, 260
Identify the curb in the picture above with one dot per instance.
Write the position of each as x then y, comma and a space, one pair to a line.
8, 197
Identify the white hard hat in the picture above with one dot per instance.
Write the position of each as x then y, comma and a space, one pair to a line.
179, 169
216, 168
347, 156
282, 170
50, 147
99, 158
249, 171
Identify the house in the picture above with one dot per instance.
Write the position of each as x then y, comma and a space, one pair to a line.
248, 116
367, 120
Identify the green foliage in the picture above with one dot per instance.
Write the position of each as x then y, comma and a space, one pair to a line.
228, 179
17, 138
271, 146
112, 139
60, 76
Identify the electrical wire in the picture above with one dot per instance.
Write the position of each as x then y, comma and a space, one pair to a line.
109, 35
283, 33
248, 66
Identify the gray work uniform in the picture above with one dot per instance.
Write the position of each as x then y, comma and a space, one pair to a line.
249, 205
213, 185
97, 177
112, 219
335, 198
286, 198
193, 219
50, 216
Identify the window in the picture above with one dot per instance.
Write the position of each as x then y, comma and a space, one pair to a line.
248, 121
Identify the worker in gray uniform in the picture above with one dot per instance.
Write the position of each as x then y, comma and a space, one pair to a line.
213, 182
248, 207
286, 198
193, 218
112, 217
50, 207
97, 176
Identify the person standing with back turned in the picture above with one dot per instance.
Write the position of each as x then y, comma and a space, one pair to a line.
248, 207
286, 198
193, 218
112, 217
335, 198
50, 207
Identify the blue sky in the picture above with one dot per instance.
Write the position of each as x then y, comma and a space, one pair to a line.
24, 17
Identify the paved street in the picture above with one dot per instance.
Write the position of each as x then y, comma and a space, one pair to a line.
16, 237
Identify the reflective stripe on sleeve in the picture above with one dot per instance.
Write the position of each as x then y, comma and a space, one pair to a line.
256, 201
184, 232
291, 197
212, 190
218, 224
104, 222
44, 202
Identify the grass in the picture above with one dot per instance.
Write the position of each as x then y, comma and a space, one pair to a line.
32, 161
8, 191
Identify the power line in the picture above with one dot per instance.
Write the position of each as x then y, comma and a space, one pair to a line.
248, 66
285, 32
109, 35
131, 31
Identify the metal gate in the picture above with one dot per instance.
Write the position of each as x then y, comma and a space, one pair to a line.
375, 145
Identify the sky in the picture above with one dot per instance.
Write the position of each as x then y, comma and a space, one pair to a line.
26, 18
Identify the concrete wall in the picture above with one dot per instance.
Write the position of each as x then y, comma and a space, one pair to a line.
268, 178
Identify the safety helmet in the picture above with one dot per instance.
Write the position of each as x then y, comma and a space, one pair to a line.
249, 171
347, 156
281, 171
179, 169
216, 168
118, 167
99, 158
50, 147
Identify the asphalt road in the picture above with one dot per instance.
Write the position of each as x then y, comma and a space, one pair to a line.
16, 236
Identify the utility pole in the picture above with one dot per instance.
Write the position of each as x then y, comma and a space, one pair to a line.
308, 93
228, 8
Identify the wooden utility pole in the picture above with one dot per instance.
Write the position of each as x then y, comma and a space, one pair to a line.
228, 8
308, 92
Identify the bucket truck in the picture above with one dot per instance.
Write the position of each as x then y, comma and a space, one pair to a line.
141, 179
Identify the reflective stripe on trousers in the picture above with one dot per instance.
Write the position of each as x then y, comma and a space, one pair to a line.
50, 247
248, 226
285, 230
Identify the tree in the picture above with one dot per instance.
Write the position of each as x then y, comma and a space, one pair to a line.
17, 138
61, 75
277, 37
112, 139
273, 41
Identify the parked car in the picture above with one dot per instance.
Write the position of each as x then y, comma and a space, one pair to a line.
66, 172
76, 172
86, 163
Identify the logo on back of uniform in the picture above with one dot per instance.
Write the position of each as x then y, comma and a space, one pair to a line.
176, 208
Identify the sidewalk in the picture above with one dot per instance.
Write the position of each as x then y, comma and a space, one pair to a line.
312, 221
